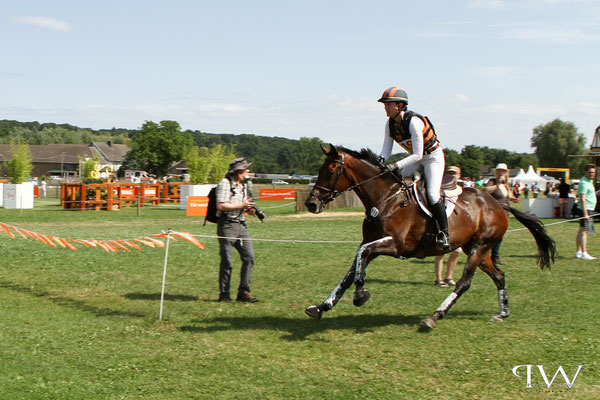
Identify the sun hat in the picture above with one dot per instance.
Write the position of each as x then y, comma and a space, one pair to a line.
454, 169
239, 164
502, 166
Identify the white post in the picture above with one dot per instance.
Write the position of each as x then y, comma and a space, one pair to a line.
162, 292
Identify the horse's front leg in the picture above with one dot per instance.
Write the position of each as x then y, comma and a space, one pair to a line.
354, 275
316, 311
364, 255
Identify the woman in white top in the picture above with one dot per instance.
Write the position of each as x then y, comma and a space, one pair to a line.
416, 135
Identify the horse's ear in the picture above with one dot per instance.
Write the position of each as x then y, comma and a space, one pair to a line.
333, 153
330, 152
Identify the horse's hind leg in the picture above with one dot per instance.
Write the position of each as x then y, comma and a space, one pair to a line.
463, 284
497, 275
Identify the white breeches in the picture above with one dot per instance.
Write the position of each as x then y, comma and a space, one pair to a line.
432, 166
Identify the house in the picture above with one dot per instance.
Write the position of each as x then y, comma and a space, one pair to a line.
64, 159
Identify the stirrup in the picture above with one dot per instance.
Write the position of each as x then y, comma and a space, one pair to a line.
441, 241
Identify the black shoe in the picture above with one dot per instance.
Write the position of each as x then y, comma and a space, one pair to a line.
224, 298
246, 297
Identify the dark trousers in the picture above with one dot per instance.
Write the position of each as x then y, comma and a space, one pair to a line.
243, 245
496, 251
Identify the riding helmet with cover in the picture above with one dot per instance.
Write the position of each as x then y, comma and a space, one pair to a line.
394, 93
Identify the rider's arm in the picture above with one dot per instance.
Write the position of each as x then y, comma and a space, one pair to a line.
388, 143
416, 136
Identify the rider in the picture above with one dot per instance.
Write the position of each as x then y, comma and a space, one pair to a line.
416, 135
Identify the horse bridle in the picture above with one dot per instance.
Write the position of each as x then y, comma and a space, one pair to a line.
333, 193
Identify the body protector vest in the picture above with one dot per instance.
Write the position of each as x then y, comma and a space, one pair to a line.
401, 133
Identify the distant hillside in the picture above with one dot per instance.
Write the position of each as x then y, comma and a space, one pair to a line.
268, 154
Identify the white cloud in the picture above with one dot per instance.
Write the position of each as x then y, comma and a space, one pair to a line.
46, 23
563, 36
486, 4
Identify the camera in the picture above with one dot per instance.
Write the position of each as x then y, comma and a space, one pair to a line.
259, 213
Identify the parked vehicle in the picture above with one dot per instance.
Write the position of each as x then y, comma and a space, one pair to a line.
279, 182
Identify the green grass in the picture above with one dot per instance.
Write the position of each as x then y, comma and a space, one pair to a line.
84, 324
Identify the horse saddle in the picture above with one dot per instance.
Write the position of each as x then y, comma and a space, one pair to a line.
449, 192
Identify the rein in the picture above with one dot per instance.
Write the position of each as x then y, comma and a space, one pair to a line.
333, 193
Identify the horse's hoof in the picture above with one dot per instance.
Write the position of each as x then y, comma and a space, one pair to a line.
314, 312
429, 323
361, 297
497, 318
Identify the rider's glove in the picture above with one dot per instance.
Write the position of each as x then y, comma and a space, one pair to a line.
381, 160
390, 167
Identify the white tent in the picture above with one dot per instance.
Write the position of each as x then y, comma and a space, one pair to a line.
529, 178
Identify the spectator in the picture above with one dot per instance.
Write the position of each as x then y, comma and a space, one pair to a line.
498, 188
564, 189
453, 258
587, 204
232, 203
44, 187
516, 190
526, 191
535, 189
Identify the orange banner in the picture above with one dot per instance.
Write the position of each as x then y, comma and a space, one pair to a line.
278, 194
197, 206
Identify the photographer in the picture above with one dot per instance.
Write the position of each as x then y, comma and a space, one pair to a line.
498, 188
233, 202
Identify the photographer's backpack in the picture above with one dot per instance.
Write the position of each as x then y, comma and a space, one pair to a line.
211, 209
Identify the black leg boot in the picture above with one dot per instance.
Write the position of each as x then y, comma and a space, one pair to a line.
439, 213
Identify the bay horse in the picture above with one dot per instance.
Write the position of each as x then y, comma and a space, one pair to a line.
396, 226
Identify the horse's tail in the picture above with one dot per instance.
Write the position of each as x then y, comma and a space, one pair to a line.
546, 245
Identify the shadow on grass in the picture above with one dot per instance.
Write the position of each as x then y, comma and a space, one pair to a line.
302, 328
409, 283
69, 302
156, 296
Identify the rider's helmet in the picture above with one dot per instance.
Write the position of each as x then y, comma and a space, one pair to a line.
394, 93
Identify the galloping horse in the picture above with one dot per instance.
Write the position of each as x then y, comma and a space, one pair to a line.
396, 226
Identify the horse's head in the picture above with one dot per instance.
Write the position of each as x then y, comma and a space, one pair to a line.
332, 180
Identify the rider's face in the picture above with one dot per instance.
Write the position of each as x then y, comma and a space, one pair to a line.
392, 108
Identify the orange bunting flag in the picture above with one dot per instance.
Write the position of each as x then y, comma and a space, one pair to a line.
7, 230
119, 245
146, 242
108, 245
129, 243
188, 236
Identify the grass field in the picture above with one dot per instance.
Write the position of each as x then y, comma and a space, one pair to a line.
84, 324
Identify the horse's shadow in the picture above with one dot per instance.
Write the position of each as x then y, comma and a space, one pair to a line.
301, 328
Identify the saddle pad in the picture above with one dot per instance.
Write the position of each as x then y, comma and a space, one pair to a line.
450, 202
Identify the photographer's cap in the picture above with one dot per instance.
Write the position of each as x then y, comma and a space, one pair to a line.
239, 164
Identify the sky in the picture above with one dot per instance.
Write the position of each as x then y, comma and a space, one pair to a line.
486, 72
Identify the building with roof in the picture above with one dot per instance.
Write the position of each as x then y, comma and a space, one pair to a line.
64, 160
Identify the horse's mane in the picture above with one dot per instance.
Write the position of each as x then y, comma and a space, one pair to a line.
363, 154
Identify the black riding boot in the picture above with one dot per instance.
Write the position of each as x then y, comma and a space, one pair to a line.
439, 214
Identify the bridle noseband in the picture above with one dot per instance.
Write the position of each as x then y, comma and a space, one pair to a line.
333, 193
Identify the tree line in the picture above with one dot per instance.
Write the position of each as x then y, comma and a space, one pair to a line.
156, 146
